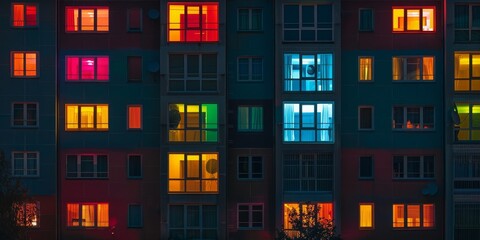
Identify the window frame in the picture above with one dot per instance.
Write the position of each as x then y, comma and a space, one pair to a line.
25, 115
80, 217
130, 61
250, 211
201, 227
96, 67
372, 167
297, 173
129, 176
401, 172
250, 20
185, 179
372, 69
420, 17
95, 123
203, 78
204, 128
360, 29
250, 125
473, 81
129, 106
422, 126
129, 224
303, 79
250, 74
315, 26
297, 126
472, 131
79, 23
140, 28
470, 27
25, 168
405, 224
372, 117
203, 30
372, 215
24, 60
24, 15
250, 174
404, 71
79, 161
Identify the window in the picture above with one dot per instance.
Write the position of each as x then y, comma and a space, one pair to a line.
308, 122
193, 222
86, 117
467, 71
135, 219
250, 19
310, 23
87, 68
250, 119
87, 166
366, 215
365, 20
193, 173
413, 215
308, 172
134, 68
86, 19
192, 72
467, 22
87, 215
413, 68
193, 22
28, 214
365, 69
25, 114
250, 215
193, 123
307, 212
25, 164
413, 118
250, 69
365, 118
468, 127
134, 117
134, 21
24, 15
466, 220
134, 166
414, 19
250, 167
407, 167
308, 72
24, 64
466, 170
366, 167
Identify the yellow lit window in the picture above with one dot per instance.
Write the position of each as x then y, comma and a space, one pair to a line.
193, 123
134, 117
365, 67
24, 64
366, 215
193, 173
413, 68
86, 117
413, 19
88, 19
87, 215
467, 72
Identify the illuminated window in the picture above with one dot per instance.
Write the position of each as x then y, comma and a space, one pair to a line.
468, 127
193, 222
414, 19
91, 68
250, 19
413, 118
86, 117
365, 20
467, 71
193, 173
309, 213
193, 22
134, 117
25, 115
24, 64
135, 216
134, 166
134, 20
87, 215
134, 68
86, 19
192, 72
250, 69
87, 166
365, 118
28, 214
250, 167
193, 123
250, 216
366, 167
309, 23
25, 164
467, 23
308, 122
365, 69
24, 15
413, 215
467, 170
366, 215
413, 68
308, 72
308, 172
250, 119
413, 167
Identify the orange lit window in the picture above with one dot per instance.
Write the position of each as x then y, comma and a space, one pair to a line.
365, 68
89, 68
28, 214
134, 117
192, 22
366, 215
86, 117
413, 19
307, 212
87, 215
193, 173
24, 15
413, 215
86, 19
24, 64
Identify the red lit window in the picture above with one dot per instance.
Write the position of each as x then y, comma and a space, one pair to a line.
87, 68
193, 22
413, 19
24, 64
134, 117
24, 15
87, 215
86, 19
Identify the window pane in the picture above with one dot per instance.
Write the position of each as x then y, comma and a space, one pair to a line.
366, 167
398, 215
134, 166
413, 215
428, 215
134, 117
366, 215
366, 118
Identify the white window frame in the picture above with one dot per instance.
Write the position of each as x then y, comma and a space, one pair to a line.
25, 164
24, 119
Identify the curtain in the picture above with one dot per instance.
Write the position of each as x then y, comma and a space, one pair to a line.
18, 15
73, 68
257, 118
325, 72
428, 68
31, 15
88, 216
73, 215
102, 215
397, 67
325, 130
289, 121
292, 72
102, 68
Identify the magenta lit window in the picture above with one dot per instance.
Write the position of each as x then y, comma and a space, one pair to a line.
88, 68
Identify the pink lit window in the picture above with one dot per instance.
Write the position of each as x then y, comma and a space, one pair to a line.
86, 19
193, 22
89, 68
24, 15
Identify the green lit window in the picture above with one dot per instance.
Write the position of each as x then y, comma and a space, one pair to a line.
468, 126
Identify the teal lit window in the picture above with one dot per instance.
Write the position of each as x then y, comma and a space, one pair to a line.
308, 122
